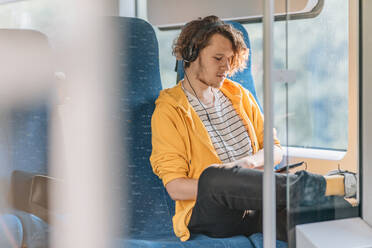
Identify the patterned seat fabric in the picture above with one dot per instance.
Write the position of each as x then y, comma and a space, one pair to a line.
147, 205
29, 144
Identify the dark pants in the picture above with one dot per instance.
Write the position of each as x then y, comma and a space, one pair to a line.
225, 193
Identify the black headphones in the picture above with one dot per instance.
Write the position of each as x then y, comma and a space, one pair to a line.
191, 52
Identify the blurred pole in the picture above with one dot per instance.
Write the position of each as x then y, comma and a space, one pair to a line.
269, 205
85, 140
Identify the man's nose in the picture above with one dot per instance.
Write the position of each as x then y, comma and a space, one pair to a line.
226, 64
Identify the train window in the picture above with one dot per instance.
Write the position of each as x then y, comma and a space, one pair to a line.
167, 60
34, 14
318, 100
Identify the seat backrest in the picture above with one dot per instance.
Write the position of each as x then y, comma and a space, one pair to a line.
147, 202
30, 137
244, 77
26, 81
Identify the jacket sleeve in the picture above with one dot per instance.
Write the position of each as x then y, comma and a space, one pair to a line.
169, 157
254, 113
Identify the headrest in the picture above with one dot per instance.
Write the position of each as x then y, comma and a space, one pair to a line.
27, 68
139, 58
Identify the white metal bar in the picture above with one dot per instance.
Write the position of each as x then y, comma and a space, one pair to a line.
352, 160
269, 218
366, 53
83, 143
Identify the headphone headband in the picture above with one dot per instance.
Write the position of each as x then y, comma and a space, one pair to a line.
191, 52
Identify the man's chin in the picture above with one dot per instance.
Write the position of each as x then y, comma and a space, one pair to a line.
218, 84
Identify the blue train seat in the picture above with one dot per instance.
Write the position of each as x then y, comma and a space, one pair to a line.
148, 205
24, 149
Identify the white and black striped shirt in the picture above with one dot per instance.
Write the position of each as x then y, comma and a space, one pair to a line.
229, 136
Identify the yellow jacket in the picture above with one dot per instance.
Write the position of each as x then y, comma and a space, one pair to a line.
181, 146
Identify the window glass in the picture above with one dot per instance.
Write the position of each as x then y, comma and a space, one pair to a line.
37, 14
318, 100
167, 60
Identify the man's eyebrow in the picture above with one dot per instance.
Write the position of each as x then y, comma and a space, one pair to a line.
222, 54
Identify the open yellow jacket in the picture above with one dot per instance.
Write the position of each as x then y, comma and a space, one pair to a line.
181, 146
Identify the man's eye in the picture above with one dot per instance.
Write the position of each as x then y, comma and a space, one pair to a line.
217, 58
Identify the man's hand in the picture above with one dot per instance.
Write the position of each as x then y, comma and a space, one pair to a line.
246, 162
256, 161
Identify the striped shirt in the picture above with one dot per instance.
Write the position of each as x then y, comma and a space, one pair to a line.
229, 136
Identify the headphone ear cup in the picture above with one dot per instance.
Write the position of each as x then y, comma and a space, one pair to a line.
190, 53
194, 54
185, 54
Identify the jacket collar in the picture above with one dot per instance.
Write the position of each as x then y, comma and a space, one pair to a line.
232, 91
177, 97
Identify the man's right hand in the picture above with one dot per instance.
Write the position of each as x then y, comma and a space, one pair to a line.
246, 162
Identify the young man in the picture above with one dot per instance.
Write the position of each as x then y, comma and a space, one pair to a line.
207, 135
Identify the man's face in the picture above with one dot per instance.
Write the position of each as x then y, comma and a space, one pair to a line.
213, 62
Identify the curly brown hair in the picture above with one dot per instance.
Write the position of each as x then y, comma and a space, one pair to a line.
197, 34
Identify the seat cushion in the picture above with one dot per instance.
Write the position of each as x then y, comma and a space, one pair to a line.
257, 241
195, 241
199, 240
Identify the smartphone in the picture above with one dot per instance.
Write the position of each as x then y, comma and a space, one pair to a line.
283, 167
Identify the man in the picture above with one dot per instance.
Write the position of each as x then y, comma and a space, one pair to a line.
208, 141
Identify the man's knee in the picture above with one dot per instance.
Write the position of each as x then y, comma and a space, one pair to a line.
210, 178
214, 177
